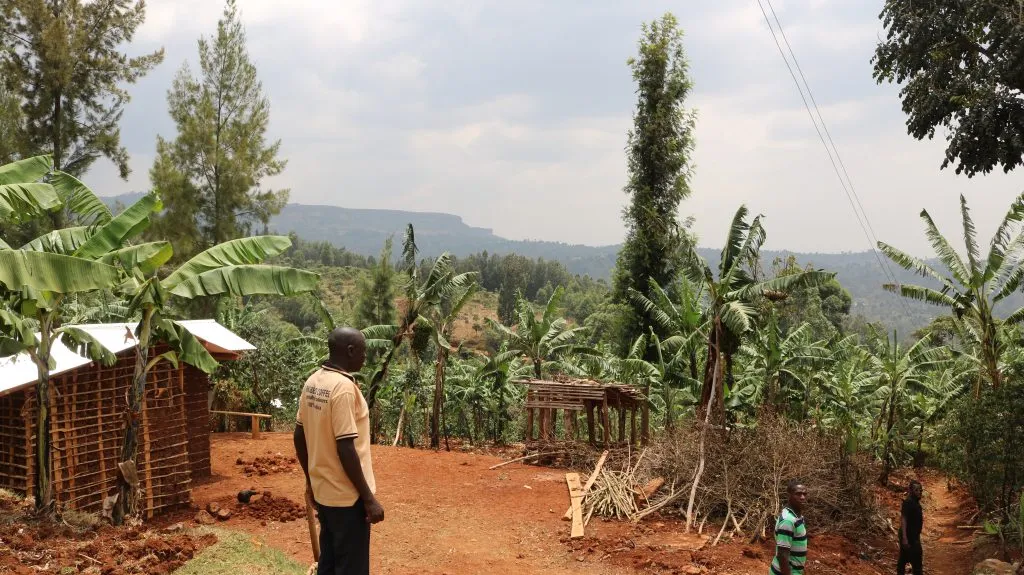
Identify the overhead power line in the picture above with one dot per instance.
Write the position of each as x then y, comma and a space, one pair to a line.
838, 166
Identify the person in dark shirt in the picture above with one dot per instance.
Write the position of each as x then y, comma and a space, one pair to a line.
911, 524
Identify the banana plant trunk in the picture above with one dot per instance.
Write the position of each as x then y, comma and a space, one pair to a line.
716, 378
435, 416
127, 501
44, 484
712, 397
382, 374
886, 465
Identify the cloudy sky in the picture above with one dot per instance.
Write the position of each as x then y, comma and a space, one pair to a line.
514, 115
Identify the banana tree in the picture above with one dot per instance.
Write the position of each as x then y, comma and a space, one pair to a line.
420, 298
503, 367
35, 286
669, 373
941, 388
542, 339
849, 392
972, 288
780, 365
232, 268
731, 299
902, 372
684, 323
441, 320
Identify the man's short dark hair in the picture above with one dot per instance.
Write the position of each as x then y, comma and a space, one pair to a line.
914, 482
792, 484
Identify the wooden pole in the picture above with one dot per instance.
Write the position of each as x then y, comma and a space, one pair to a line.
567, 424
255, 427
622, 423
606, 422
529, 424
632, 426
590, 422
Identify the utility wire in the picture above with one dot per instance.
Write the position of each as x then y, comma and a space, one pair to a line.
856, 196
847, 183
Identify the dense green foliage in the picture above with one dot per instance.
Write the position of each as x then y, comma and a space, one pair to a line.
960, 67
658, 157
63, 61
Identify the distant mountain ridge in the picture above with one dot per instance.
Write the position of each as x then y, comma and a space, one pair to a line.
363, 231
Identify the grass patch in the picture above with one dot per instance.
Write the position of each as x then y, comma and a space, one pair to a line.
237, 553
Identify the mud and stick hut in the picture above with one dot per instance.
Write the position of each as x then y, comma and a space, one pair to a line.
88, 407
603, 403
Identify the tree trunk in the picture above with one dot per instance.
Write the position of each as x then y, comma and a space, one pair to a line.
666, 393
44, 486
703, 438
711, 396
127, 503
501, 416
371, 393
886, 465
57, 216
536, 369
435, 415
401, 421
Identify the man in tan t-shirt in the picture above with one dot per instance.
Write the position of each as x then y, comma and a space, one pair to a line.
332, 442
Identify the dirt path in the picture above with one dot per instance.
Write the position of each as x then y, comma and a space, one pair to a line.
947, 550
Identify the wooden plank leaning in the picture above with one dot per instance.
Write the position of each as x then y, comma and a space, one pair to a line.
590, 482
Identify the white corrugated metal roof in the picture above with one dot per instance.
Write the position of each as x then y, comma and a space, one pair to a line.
214, 333
18, 372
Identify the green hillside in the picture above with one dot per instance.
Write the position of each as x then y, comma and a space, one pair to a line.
363, 232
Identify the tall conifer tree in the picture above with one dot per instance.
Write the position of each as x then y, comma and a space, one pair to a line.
211, 173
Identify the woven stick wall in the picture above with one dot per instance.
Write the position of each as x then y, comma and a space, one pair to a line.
88, 408
197, 409
13, 444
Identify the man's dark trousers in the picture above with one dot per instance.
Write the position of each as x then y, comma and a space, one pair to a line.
344, 540
912, 555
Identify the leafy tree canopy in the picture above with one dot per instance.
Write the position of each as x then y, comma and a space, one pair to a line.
962, 69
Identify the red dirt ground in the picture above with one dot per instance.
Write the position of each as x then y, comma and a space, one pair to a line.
31, 547
447, 513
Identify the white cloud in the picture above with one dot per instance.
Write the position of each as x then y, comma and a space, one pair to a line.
510, 116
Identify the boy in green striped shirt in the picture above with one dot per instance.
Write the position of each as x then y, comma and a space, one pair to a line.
791, 533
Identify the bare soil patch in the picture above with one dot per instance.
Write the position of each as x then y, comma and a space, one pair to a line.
28, 546
267, 465
446, 512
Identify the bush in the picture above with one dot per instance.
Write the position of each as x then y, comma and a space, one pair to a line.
746, 471
980, 444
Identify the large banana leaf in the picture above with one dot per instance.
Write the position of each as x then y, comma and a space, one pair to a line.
64, 241
26, 171
53, 272
16, 334
147, 258
80, 200
125, 226
187, 348
243, 251
85, 345
4, 245
247, 280
20, 202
